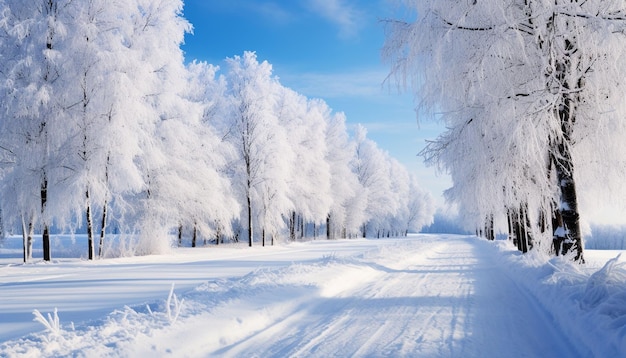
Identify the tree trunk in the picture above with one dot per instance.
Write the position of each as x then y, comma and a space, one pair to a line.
263, 237
27, 240
249, 219
292, 226
46, 229
103, 227
194, 236
180, 235
328, 227
509, 219
561, 146
90, 236
489, 231
569, 202
523, 229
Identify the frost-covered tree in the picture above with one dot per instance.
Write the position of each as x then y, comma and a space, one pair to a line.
102, 141
309, 176
419, 210
261, 167
523, 79
371, 167
159, 75
203, 194
346, 212
34, 110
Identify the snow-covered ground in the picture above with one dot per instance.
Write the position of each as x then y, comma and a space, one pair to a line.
422, 296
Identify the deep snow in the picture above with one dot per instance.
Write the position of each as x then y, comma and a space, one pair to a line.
422, 296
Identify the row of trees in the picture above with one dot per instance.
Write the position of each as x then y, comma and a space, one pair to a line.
103, 125
532, 94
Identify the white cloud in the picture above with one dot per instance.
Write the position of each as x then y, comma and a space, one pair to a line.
268, 10
367, 83
272, 11
346, 16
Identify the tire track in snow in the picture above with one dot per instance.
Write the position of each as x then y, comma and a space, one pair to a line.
419, 298
446, 300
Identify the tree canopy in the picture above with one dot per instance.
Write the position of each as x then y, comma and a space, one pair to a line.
524, 88
106, 128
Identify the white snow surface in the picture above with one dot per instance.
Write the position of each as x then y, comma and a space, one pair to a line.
421, 296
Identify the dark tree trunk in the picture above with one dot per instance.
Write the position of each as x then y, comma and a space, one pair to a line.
489, 231
328, 227
569, 202
90, 236
517, 228
565, 112
46, 229
194, 236
509, 220
103, 228
29, 240
249, 219
292, 226
523, 229
180, 235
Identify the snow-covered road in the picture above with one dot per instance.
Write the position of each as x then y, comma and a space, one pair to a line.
445, 299
426, 296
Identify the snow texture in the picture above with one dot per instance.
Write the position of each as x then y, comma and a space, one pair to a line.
422, 296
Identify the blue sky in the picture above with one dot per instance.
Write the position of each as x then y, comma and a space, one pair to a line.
327, 49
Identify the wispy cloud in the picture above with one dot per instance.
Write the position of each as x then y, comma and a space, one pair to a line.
366, 83
341, 13
271, 11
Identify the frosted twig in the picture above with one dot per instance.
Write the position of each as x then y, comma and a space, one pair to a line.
51, 323
176, 305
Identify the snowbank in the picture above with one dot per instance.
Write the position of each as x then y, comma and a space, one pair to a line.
587, 302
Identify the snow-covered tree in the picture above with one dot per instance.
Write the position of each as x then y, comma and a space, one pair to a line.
524, 79
309, 177
261, 168
371, 167
35, 110
346, 212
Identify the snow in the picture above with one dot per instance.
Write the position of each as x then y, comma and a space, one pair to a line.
421, 296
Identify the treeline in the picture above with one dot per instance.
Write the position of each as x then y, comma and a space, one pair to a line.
105, 126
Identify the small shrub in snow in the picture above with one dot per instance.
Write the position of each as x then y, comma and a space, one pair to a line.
604, 284
173, 306
51, 323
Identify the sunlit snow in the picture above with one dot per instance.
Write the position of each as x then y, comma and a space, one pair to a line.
421, 296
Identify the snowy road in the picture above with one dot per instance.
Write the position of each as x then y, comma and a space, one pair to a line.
421, 297
447, 299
